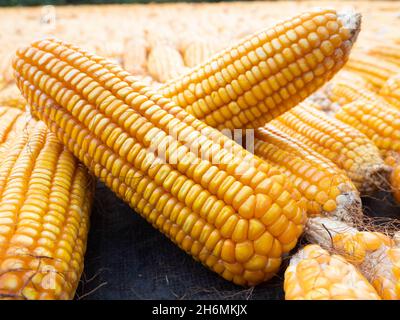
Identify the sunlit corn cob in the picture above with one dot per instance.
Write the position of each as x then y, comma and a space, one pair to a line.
391, 91
390, 53
316, 274
45, 200
199, 50
135, 56
226, 207
325, 188
349, 149
268, 73
10, 96
376, 255
376, 71
165, 63
379, 122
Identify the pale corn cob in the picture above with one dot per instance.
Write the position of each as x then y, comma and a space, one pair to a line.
199, 51
227, 208
378, 121
316, 274
391, 91
325, 188
376, 255
346, 147
374, 70
12, 122
268, 73
10, 96
390, 53
45, 200
135, 56
165, 63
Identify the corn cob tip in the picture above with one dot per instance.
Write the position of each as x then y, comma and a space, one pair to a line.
377, 177
352, 21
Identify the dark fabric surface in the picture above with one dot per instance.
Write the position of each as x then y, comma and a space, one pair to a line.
128, 259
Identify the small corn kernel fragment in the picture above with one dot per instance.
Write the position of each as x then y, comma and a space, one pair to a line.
315, 274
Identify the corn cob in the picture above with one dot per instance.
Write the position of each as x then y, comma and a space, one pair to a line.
379, 122
268, 73
199, 51
325, 188
165, 63
135, 56
349, 149
45, 200
390, 53
391, 91
374, 70
315, 274
228, 209
10, 96
12, 122
376, 255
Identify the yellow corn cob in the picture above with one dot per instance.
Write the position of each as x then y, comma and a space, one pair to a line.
315, 274
379, 122
268, 73
45, 200
10, 96
227, 208
390, 53
391, 91
165, 63
325, 188
376, 71
376, 255
199, 51
349, 149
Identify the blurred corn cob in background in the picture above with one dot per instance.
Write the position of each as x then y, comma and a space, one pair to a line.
391, 91
316, 274
45, 200
10, 96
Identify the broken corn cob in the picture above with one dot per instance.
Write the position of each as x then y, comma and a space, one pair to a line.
315, 274
391, 91
376, 255
268, 73
346, 147
378, 121
45, 200
325, 188
227, 208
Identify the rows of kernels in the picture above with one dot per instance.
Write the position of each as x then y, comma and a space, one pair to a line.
379, 122
11, 97
228, 215
266, 74
374, 70
199, 51
349, 149
391, 91
319, 180
315, 274
165, 63
390, 53
44, 209
9, 118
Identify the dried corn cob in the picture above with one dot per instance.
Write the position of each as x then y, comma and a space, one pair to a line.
349, 149
228, 209
165, 63
315, 274
374, 70
376, 255
199, 51
45, 200
325, 188
266, 74
10, 96
391, 91
379, 122
390, 53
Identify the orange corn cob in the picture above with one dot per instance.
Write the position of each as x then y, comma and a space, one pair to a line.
325, 188
376, 71
346, 147
376, 255
45, 200
10, 96
165, 63
267, 73
227, 208
391, 91
379, 122
315, 274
